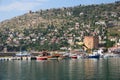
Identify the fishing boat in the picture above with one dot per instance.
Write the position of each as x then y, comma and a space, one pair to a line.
43, 56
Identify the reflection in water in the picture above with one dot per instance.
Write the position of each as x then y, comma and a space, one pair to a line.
82, 69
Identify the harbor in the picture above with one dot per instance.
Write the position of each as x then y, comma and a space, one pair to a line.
54, 56
59, 39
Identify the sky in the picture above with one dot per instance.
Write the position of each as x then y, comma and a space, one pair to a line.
12, 8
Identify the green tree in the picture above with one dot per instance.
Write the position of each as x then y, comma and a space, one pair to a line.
109, 43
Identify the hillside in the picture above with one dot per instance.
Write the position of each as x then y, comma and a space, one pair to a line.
63, 26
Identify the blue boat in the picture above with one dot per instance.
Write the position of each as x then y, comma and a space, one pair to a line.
94, 56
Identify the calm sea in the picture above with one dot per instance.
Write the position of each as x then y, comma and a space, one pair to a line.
82, 69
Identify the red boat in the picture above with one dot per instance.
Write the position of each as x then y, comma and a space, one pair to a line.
41, 58
74, 57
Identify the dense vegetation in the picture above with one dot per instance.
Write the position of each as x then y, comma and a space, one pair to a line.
55, 29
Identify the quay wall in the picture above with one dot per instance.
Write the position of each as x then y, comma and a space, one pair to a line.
6, 54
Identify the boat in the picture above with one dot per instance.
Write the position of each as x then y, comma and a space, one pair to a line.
109, 55
41, 58
64, 57
52, 57
94, 54
73, 56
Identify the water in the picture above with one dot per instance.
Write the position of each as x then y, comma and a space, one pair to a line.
82, 69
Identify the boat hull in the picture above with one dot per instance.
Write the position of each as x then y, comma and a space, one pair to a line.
94, 56
74, 57
41, 58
